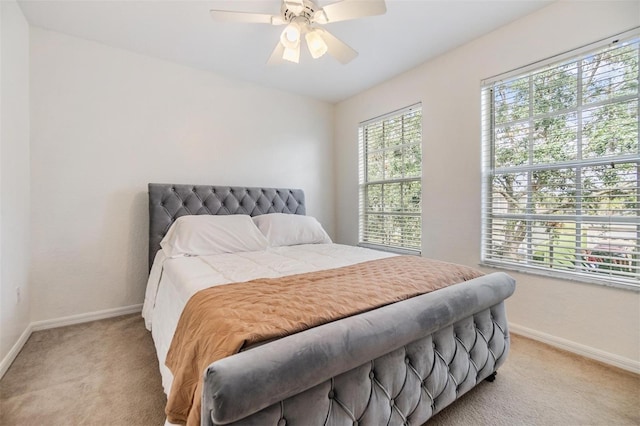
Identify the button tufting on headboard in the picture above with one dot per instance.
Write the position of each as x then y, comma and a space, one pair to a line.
167, 202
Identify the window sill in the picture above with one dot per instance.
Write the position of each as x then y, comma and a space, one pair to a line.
562, 275
395, 250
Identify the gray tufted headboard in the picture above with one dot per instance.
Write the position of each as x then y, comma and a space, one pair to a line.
167, 202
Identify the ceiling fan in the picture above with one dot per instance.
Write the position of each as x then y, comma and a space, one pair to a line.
305, 18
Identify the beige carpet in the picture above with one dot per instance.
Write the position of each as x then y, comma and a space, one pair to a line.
106, 373
99, 373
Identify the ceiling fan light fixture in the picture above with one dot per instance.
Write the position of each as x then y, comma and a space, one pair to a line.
292, 54
290, 37
316, 44
307, 17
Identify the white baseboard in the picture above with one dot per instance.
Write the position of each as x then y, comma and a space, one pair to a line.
15, 350
86, 317
61, 322
577, 348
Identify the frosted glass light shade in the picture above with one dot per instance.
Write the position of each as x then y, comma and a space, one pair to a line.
315, 43
290, 37
292, 54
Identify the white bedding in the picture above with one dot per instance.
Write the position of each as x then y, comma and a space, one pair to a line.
173, 281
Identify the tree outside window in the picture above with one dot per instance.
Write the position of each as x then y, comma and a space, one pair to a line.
562, 167
390, 180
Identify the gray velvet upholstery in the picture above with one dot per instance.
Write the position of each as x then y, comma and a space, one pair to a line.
399, 364
167, 202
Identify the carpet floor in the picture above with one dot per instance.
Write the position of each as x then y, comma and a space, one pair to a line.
106, 373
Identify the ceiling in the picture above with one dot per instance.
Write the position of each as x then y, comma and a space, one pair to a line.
410, 33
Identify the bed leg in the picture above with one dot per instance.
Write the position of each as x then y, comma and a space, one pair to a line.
491, 377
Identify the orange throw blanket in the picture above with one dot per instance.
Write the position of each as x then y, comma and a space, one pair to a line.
220, 321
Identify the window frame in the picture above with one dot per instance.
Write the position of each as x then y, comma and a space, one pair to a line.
363, 183
490, 170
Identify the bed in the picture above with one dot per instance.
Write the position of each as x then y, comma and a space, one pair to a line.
400, 363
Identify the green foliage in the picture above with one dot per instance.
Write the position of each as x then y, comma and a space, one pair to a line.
611, 129
543, 120
392, 191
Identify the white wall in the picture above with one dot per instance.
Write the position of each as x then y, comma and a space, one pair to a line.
600, 318
105, 122
14, 175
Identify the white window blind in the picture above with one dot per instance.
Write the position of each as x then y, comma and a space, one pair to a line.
561, 166
391, 180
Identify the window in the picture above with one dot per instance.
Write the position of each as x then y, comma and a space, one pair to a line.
391, 181
562, 166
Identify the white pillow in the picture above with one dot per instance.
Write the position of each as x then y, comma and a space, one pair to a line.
291, 229
202, 235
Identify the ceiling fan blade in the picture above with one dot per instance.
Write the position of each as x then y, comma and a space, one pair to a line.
276, 56
352, 9
254, 18
337, 48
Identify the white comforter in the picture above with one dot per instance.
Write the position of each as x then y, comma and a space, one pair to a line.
173, 281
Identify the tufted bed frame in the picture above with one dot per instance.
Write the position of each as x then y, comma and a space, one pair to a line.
397, 365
